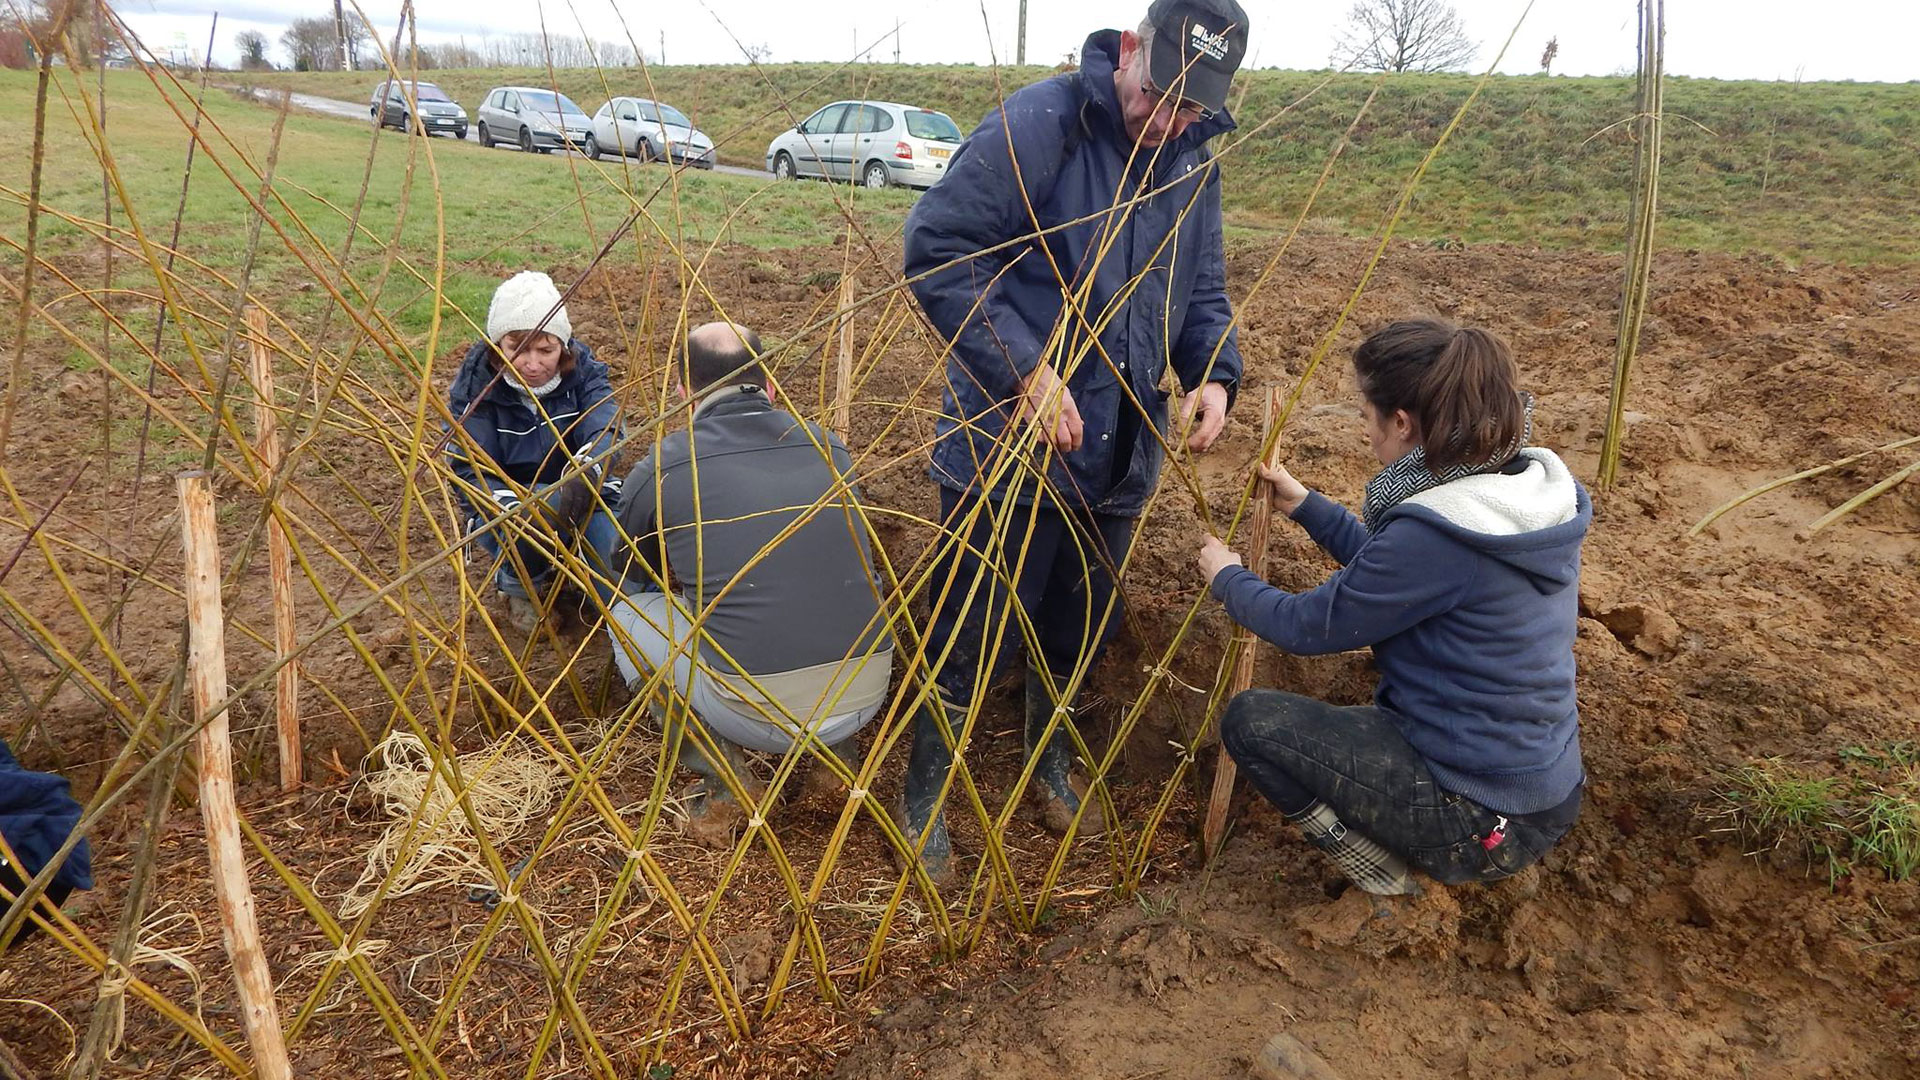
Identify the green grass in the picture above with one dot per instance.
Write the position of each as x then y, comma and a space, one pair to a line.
1867, 815
497, 210
1824, 170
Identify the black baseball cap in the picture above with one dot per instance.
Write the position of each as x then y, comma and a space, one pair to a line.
1204, 40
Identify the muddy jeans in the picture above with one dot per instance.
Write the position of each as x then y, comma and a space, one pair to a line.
1297, 750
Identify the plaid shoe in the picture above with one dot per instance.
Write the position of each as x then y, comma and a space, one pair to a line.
1368, 865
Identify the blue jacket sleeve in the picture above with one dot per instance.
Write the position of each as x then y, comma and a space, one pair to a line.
1407, 573
1332, 526
482, 495
978, 205
594, 435
1209, 316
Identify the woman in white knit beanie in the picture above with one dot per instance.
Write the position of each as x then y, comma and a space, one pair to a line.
538, 426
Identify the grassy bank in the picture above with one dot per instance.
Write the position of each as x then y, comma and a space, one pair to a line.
485, 209
1814, 169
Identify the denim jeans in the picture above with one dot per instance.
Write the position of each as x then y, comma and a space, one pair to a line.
1297, 750
1063, 584
596, 543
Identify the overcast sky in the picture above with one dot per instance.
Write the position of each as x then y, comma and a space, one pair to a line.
1865, 40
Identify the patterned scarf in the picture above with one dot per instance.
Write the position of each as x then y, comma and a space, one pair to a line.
1410, 476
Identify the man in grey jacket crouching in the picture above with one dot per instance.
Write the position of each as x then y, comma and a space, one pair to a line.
748, 595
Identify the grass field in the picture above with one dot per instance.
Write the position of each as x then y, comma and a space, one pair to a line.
1826, 170
1817, 170
494, 209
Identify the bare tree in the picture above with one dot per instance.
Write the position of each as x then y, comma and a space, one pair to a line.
253, 50
1546, 55
314, 44
1404, 35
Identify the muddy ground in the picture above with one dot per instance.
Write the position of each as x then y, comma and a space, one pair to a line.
1649, 944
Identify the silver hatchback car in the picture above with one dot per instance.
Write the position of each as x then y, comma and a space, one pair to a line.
650, 131
879, 143
532, 119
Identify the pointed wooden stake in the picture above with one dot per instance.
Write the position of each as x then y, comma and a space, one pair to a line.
841, 417
207, 674
279, 554
1260, 520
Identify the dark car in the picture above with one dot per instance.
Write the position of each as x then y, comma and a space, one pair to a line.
438, 114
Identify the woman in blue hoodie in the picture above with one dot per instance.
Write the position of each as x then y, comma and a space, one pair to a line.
1462, 574
539, 424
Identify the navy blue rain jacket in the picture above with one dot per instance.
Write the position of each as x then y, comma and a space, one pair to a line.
515, 441
1156, 299
36, 815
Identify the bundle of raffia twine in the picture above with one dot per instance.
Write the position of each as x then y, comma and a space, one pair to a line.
428, 843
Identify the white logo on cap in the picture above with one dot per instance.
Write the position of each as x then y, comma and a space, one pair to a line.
1213, 46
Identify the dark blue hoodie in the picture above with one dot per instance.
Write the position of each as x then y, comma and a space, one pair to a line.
1148, 276
1469, 595
36, 816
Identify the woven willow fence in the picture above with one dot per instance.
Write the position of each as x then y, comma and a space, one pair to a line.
476, 869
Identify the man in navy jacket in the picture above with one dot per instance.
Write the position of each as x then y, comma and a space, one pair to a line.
1071, 256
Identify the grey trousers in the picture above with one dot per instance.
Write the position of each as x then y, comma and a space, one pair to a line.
653, 630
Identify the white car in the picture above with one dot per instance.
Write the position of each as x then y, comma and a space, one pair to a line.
879, 143
650, 131
532, 119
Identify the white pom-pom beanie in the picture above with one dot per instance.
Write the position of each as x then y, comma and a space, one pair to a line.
521, 301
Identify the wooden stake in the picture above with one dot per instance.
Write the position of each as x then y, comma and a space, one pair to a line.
207, 674
279, 554
1259, 522
841, 416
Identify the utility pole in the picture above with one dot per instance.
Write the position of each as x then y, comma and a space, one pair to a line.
896, 39
663, 47
340, 32
1020, 46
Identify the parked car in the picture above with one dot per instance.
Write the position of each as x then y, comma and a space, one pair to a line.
879, 143
649, 130
439, 114
532, 119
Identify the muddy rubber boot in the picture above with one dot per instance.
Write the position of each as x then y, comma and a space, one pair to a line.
714, 815
1372, 868
920, 813
523, 614
1056, 787
821, 791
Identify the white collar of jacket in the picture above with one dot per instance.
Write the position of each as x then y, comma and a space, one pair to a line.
1502, 504
726, 393
512, 378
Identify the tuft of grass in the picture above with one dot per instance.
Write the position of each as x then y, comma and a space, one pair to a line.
1848, 823
1773, 798
1888, 832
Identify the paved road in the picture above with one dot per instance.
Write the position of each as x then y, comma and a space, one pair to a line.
347, 110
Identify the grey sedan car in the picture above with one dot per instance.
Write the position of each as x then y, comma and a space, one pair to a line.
533, 119
649, 130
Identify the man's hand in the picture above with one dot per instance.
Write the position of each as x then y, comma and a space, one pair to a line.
1215, 557
1042, 394
1206, 410
1286, 492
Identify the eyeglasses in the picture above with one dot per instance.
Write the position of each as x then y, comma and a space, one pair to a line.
1181, 107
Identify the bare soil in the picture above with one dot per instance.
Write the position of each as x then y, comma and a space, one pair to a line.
1649, 944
